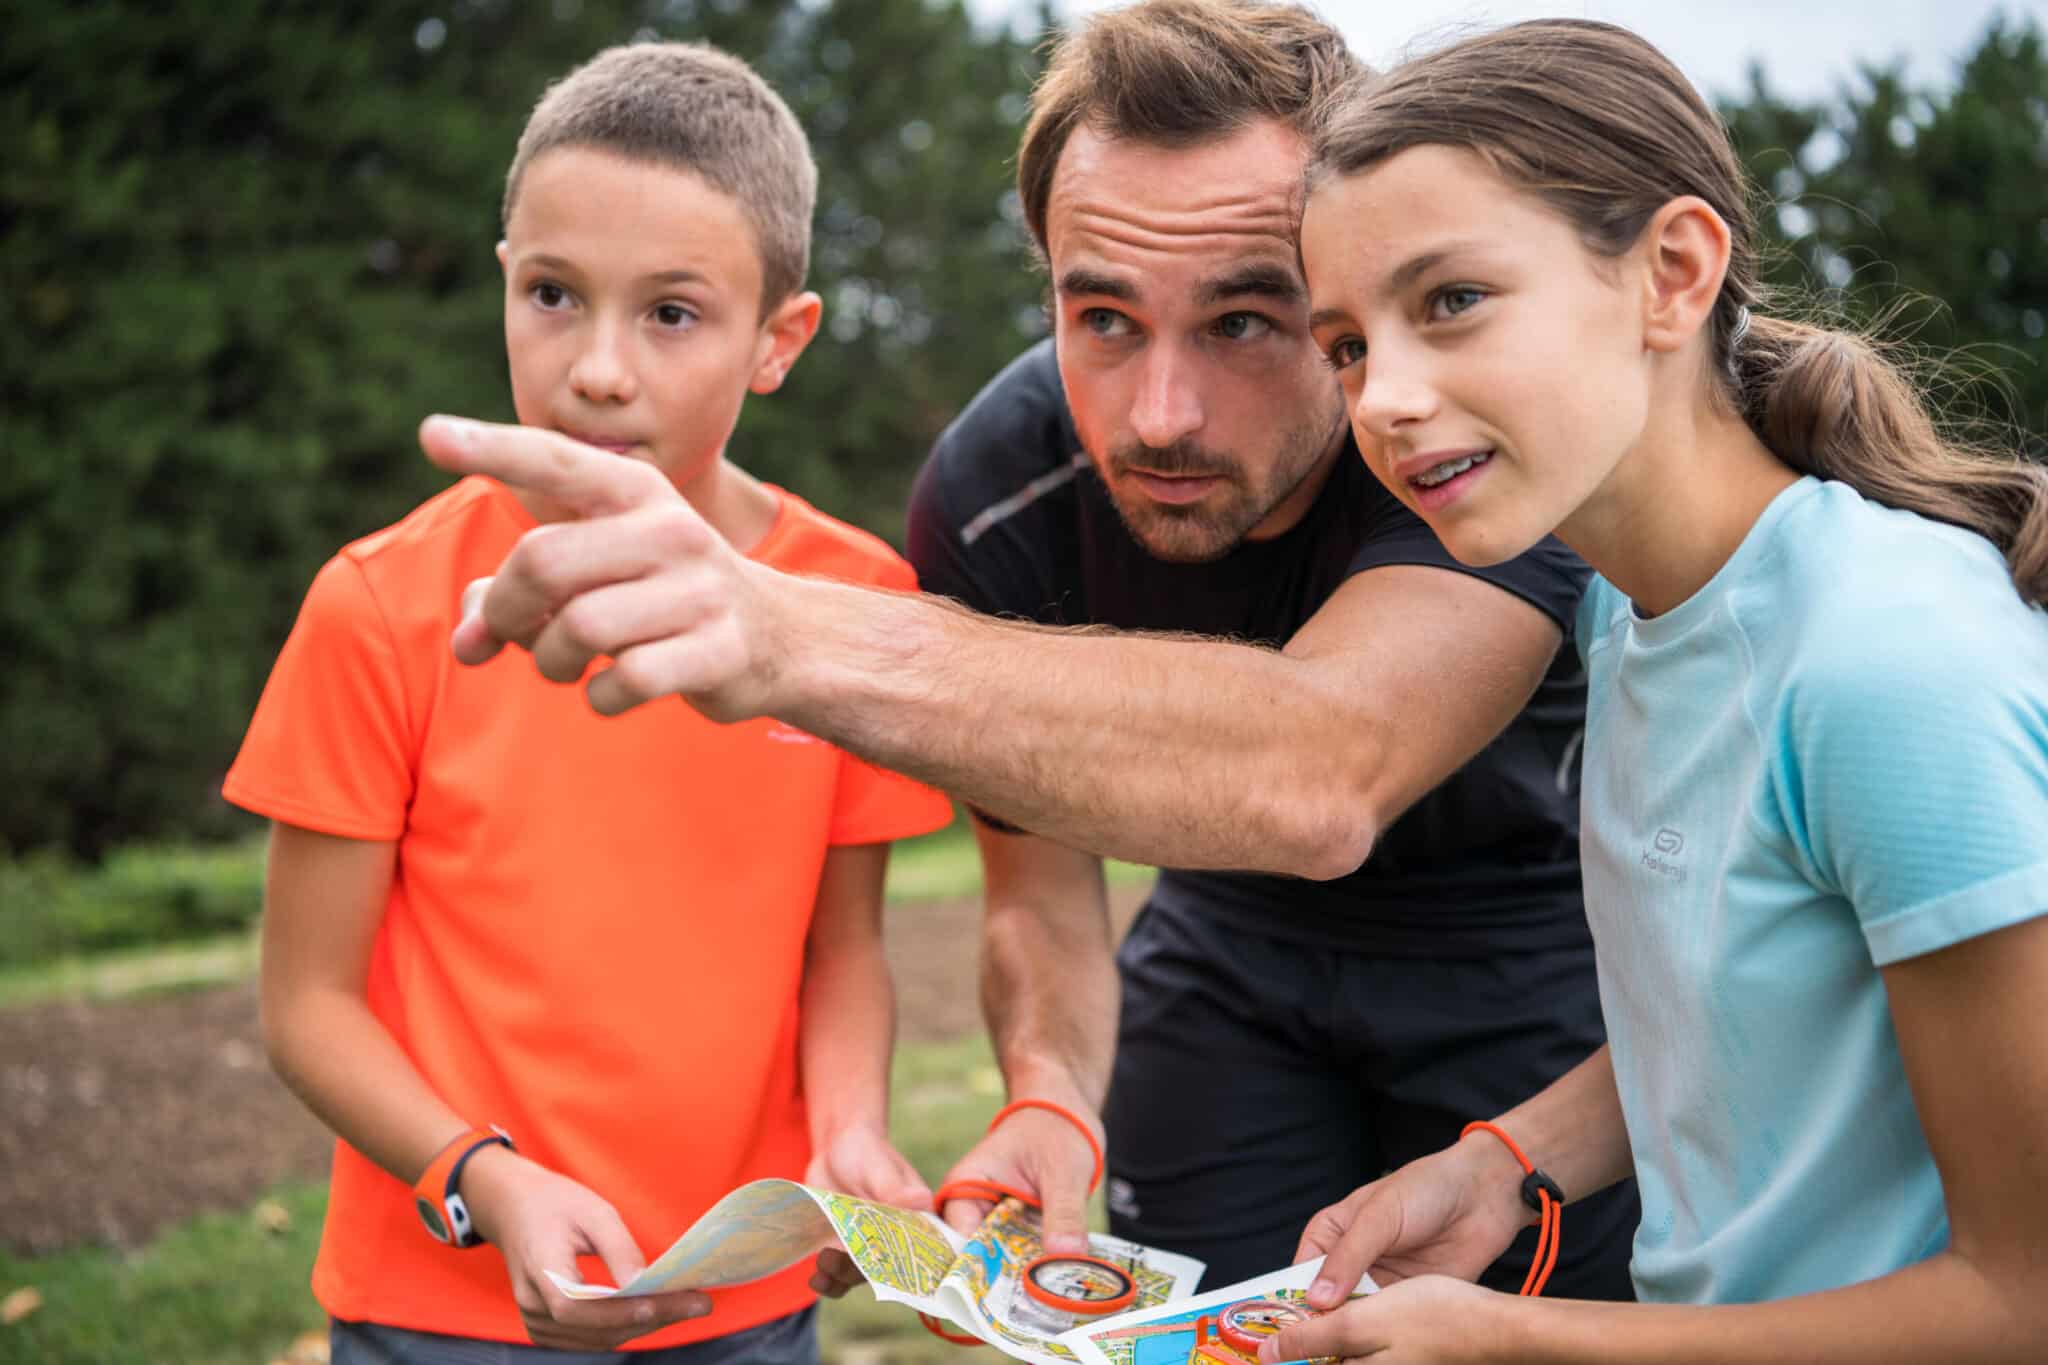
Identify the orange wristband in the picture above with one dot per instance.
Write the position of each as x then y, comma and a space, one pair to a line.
1540, 1193
1070, 1116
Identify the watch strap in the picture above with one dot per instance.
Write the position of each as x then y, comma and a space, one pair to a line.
438, 1195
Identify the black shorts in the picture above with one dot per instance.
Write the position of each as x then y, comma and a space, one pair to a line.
1259, 1080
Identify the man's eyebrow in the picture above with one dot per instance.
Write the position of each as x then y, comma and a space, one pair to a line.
1267, 281
1082, 281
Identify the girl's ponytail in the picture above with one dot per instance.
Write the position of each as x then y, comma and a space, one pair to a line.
1830, 403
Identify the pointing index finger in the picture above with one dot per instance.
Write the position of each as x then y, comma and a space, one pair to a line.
581, 480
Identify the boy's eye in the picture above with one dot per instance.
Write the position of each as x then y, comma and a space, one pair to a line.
1454, 299
549, 294
1105, 322
1345, 352
1241, 326
673, 315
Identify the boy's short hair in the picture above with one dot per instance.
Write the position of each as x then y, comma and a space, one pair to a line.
695, 108
1178, 72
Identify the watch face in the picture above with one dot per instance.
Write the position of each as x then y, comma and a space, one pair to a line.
431, 1216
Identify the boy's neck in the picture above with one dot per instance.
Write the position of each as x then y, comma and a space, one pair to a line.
736, 504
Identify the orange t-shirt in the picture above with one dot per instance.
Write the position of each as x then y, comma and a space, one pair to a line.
595, 934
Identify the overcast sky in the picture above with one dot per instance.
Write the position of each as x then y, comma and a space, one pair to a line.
1808, 47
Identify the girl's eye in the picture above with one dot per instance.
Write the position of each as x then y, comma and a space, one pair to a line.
1451, 301
1344, 353
673, 315
1242, 326
549, 295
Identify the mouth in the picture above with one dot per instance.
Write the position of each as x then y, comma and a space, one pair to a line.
1174, 488
1436, 476
616, 447
1433, 487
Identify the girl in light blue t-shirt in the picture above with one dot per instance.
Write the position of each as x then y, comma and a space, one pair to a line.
1816, 760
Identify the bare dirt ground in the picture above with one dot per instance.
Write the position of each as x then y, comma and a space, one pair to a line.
119, 1118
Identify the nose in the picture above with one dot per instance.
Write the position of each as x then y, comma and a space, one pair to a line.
603, 372
1394, 395
1168, 405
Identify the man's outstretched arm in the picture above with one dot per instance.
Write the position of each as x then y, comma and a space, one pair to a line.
1166, 750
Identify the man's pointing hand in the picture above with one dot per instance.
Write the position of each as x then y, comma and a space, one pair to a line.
625, 569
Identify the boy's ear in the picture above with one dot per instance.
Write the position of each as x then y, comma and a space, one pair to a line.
1686, 257
784, 334
504, 257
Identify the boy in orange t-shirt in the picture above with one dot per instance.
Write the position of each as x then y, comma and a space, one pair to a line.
647, 948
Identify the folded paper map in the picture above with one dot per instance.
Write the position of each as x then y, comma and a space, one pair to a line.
973, 1283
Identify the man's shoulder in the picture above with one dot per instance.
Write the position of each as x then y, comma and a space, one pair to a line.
807, 541
1012, 435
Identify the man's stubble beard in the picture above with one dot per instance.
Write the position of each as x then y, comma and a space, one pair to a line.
1207, 531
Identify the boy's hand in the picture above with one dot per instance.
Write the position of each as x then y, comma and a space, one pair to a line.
628, 570
863, 1163
1043, 1154
1450, 1213
541, 1221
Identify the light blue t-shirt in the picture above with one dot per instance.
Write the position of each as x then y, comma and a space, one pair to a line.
1831, 758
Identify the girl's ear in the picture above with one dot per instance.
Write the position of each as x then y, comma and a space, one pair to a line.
784, 335
1685, 248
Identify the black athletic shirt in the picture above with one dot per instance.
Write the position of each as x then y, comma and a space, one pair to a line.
1009, 517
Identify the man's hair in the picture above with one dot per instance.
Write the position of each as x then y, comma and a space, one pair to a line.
1175, 73
690, 107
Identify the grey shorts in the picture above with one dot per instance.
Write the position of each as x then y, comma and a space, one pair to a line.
785, 1341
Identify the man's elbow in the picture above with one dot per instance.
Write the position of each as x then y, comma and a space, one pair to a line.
1322, 841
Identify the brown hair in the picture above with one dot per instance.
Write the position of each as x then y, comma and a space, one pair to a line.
1176, 72
690, 107
1601, 126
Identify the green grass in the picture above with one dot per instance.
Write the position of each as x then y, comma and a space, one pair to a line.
225, 1290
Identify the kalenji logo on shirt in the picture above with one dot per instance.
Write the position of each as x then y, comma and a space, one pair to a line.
1664, 848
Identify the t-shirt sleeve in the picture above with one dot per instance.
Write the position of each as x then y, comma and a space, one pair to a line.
873, 805
1548, 576
330, 747
1917, 786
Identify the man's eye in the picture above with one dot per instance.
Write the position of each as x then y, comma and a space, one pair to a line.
1105, 322
1242, 326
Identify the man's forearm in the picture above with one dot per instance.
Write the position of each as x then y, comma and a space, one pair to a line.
1171, 751
1049, 992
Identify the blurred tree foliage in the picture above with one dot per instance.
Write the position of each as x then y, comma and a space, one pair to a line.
1926, 211
247, 245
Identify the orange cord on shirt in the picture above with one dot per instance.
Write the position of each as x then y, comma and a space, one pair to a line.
1540, 1193
994, 1191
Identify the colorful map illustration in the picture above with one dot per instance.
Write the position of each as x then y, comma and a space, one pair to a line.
978, 1283
1221, 1327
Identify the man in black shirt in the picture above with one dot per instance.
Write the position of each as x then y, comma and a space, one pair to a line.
1340, 692
1281, 1041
